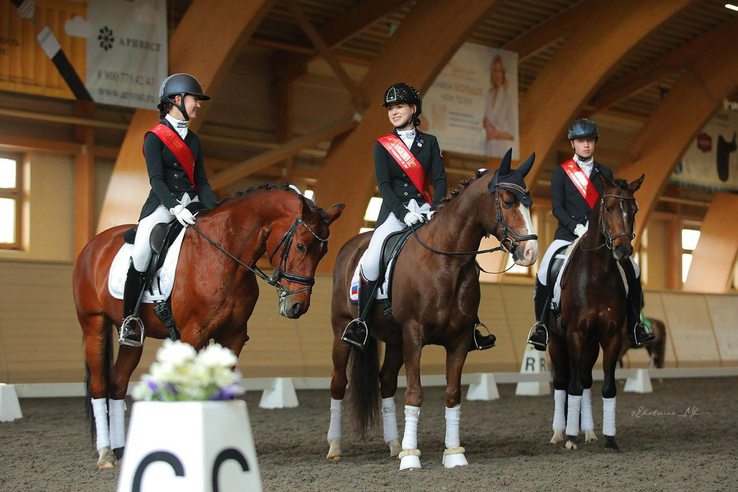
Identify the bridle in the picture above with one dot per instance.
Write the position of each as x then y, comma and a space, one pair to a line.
605, 230
281, 271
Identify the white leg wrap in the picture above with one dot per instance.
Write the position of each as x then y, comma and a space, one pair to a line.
572, 418
117, 416
334, 430
608, 416
587, 420
559, 422
453, 419
410, 440
389, 419
100, 410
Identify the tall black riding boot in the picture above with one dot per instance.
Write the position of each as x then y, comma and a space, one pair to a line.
638, 333
538, 335
131, 331
357, 331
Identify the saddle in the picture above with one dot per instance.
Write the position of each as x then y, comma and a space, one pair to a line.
161, 239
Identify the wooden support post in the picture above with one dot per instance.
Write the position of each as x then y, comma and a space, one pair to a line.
84, 179
284, 103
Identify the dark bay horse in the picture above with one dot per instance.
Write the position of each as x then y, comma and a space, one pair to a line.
435, 300
214, 296
593, 309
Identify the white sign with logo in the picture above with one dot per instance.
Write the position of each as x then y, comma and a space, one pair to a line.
711, 161
472, 107
126, 51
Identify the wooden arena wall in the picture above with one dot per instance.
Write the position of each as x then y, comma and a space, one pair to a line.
41, 342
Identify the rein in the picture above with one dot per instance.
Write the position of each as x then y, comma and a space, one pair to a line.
609, 238
280, 272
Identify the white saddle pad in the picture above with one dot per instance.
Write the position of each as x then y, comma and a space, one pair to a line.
556, 301
381, 291
161, 286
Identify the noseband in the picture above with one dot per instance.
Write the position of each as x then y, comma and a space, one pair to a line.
605, 230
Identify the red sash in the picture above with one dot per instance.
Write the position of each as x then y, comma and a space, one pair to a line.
408, 163
581, 181
174, 143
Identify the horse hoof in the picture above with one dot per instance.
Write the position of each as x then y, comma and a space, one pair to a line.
395, 448
334, 452
410, 459
590, 436
454, 460
570, 445
557, 437
611, 444
106, 458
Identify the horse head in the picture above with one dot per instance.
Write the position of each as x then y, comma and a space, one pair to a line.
296, 244
616, 215
512, 224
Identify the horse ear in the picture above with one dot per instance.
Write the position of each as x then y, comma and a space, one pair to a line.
603, 181
334, 212
505, 164
636, 184
524, 168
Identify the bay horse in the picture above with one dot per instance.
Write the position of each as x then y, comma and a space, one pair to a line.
213, 296
435, 298
593, 312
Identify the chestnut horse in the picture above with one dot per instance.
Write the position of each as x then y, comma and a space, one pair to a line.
593, 312
214, 295
435, 298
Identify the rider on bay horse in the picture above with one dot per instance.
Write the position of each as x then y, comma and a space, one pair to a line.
574, 191
406, 197
177, 176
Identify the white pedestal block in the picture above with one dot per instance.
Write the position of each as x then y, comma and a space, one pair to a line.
534, 361
189, 446
9, 406
283, 395
641, 383
484, 390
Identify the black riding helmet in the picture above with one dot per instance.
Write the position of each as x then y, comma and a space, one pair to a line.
404, 93
179, 84
583, 128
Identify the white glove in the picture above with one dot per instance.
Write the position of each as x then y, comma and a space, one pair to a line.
429, 215
412, 218
183, 215
579, 230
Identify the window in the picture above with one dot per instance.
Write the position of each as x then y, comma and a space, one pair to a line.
10, 201
689, 242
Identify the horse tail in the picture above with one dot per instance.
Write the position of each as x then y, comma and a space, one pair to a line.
107, 373
363, 391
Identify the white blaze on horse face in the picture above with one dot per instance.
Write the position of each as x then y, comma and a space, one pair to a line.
530, 254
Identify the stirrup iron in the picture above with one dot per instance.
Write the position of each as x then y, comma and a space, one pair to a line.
125, 341
362, 345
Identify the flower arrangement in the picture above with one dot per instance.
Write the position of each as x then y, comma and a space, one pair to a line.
182, 374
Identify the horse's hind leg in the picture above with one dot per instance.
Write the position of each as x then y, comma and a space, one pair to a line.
339, 380
98, 350
388, 379
128, 358
560, 362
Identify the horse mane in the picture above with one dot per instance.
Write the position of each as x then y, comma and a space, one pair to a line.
463, 185
269, 187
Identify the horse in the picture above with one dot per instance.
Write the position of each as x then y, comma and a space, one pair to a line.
215, 291
592, 315
656, 350
435, 297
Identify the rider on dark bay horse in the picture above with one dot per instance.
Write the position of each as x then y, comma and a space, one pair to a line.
177, 176
406, 198
574, 190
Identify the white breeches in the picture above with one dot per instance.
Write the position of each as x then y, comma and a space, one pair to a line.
555, 245
370, 260
141, 249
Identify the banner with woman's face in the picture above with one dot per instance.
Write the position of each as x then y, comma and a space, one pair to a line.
472, 107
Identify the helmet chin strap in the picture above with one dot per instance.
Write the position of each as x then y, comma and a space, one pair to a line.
408, 122
181, 107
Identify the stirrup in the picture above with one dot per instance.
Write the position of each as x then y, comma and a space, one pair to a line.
359, 345
128, 342
647, 339
536, 344
489, 334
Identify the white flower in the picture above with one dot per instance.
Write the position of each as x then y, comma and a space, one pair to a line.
142, 391
176, 353
217, 356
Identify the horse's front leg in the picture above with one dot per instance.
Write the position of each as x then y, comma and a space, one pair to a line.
393, 361
455, 357
412, 342
128, 359
560, 362
575, 347
610, 352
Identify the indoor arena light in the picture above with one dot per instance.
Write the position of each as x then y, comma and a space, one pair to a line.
731, 6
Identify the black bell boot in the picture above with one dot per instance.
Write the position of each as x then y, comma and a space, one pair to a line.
638, 333
131, 331
538, 335
480, 341
357, 331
